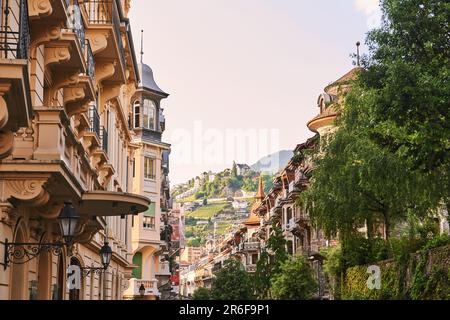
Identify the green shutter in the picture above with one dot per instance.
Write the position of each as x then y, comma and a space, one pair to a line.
151, 210
137, 260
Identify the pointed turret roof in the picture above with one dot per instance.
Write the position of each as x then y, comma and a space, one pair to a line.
254, 219
148, 81
260, 194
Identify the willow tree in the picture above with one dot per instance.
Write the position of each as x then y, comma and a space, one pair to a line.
357, 181
408, 79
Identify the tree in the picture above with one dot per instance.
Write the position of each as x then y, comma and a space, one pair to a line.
232, 282
356, 182
407, 88
234, 172
202, 294
269, 263
295, 281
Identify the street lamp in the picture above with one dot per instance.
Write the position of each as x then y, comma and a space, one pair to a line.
106, 254
20, 252
142, 290
68, 221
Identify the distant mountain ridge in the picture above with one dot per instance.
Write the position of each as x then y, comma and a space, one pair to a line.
274, 162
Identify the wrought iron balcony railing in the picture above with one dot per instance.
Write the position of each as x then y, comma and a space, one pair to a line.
94, 120
14, 31
90, 62
104, 139
105, 12
76, 23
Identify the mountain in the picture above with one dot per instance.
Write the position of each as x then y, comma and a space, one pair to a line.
274, 162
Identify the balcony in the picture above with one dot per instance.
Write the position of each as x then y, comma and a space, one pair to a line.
300, 178
103, 16
251, 268
91, 136
252, 246
90, 62
94, 120
151, 289
14, 54
104, 139
293, 191
164, 269
291, 225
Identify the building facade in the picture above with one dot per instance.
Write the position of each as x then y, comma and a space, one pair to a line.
150, 235
68, 81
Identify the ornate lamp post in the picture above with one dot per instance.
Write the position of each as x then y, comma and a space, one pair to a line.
105, 255
21, 253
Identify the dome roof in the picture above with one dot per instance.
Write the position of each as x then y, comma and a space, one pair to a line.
147, 80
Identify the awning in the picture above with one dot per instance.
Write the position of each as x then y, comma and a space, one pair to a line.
106, 203
151, 210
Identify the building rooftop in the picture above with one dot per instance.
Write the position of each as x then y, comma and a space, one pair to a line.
148, 81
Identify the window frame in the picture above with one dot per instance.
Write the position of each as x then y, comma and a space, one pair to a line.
152, 175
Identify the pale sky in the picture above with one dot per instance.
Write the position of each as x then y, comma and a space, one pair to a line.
233, 65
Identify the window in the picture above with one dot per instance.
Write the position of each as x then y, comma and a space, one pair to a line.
149, 223
148, 114
137, 114
149, 168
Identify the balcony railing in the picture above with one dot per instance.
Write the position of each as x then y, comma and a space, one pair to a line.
250, 268
252, 246
76, 24
90, 62
104, 139
94, 120
151, 287
101, 12
14, 41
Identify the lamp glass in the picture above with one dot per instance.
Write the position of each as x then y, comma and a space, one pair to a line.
106, 255
68, 221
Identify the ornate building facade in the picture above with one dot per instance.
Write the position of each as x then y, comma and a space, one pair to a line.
68, 80
151, 230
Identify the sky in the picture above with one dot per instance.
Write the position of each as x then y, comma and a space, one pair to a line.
244, 75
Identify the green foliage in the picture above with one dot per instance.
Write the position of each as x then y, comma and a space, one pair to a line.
263, 276
194, 242
407, 79
207, 211
269, 264
356, 284
295, 280
232, 282
426, 286
202, 294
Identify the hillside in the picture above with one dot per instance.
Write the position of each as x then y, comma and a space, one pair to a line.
216, 203
274, 162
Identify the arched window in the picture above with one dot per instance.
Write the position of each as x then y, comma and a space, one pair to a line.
149, 114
